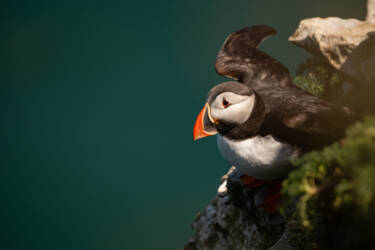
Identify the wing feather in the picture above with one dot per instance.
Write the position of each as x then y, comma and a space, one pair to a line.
240, 59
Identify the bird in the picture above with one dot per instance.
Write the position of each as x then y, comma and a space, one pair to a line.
262, 120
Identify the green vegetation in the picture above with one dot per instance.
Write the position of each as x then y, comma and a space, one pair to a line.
318, 77
336, 189
333, 190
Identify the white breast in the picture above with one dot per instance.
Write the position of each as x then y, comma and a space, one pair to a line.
260, 157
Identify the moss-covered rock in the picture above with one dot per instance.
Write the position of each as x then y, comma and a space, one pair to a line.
336, 191
319, 78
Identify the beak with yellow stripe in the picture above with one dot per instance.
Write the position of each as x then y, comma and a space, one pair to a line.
205, 124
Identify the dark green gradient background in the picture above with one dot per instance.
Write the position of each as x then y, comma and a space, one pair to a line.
98, 101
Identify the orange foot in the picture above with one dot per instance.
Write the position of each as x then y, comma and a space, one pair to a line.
251, 182
273, 196
271, 202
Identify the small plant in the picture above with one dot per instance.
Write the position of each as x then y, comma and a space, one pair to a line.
318, 78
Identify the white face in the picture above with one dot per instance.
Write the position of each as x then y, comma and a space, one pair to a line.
232, 108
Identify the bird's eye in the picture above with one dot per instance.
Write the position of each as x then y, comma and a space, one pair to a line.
226, 104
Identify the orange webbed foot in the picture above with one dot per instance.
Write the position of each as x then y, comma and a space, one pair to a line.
251, 182
273, 196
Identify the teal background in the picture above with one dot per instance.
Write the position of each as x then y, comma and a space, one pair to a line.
98, 102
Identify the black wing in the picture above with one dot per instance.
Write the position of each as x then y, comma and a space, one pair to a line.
303, 119
240, 59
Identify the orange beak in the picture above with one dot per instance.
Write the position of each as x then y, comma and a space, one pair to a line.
199, 127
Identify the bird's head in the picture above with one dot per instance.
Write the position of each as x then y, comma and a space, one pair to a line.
229, 105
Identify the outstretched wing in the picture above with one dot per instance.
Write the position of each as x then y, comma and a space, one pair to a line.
240, 59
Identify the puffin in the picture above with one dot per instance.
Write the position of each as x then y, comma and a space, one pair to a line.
262, 120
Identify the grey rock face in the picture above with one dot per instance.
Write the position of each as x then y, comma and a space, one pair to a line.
346, 44
221, 226
234, 220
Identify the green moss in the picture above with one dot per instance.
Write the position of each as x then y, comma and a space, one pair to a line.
318, 78
332, 191
337, 185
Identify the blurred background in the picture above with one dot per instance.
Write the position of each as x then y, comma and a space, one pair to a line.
98, 102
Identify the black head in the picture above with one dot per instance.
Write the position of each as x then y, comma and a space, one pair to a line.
231, 107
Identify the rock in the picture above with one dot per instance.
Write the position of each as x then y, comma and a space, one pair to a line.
345, 43
282, 243
222, 226
235, 221
370, 11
